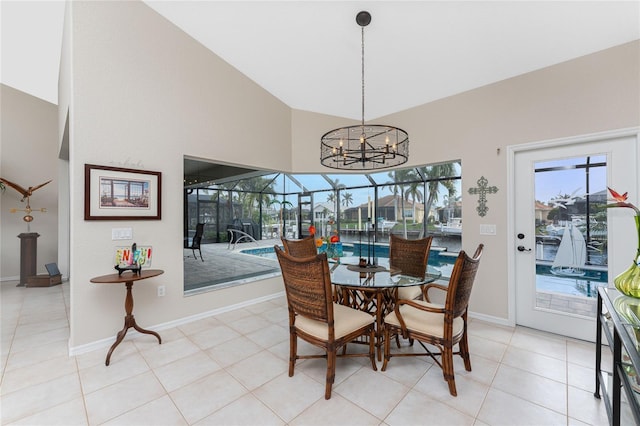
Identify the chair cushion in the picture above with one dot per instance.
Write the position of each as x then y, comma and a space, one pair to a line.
409, 293
345, 320
424, 322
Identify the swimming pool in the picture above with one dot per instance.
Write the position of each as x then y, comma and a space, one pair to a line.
438, 257
444, 260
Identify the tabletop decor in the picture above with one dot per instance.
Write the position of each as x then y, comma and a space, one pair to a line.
133, 259
330, 244
628, 282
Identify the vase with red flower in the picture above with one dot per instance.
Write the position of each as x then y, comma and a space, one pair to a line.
628, 282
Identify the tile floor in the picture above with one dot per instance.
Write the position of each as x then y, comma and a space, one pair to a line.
231, 369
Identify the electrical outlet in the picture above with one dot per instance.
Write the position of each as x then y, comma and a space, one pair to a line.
161, 291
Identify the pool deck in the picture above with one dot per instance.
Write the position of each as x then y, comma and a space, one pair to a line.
224, 267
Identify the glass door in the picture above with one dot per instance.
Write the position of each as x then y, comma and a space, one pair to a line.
563, 245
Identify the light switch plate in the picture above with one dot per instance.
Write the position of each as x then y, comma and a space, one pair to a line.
487, 229
121, 233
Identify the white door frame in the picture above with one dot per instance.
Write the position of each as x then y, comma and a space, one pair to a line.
512, 150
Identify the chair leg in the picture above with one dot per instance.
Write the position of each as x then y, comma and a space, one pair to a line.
293, 351
372, 350
201, 258
331, 372
447, 369
464, 352
387, 348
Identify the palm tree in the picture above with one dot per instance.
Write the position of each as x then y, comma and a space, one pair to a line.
414, 191
331, 197
432, 175
400, 179
347, 199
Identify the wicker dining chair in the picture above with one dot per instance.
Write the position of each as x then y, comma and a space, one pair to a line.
315, 318
438, 325
304, 247
411, 257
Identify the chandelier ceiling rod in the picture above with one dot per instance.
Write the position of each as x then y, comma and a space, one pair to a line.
364, 147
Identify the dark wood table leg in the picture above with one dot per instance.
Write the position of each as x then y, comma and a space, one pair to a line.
129, 321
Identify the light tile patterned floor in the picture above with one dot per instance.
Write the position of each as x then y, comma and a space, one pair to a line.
231, 369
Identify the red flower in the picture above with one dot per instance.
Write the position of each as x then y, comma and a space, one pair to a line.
617, 197
621, 201
312, 230
334, 239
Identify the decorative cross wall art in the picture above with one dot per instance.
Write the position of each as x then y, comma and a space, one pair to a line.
483, 189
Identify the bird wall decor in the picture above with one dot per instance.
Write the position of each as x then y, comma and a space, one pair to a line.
26, 194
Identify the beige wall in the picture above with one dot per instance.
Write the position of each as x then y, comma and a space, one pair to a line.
594, 93
28, 149
147, 98
144, 99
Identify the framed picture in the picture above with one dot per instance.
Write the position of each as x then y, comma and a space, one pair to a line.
114, 193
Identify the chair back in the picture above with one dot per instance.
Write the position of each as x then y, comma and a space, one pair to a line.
307, 283
461, 282
305, 247
197, 238
410, 256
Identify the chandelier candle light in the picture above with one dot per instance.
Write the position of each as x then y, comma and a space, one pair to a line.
364, 147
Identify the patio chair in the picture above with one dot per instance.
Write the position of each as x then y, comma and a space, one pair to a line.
197, 239
315, 318
441, 326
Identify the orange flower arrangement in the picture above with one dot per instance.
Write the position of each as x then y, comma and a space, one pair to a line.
328, 240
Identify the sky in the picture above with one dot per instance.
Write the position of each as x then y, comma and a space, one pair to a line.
571, 181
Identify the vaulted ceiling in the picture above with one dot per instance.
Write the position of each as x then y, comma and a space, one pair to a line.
308, 53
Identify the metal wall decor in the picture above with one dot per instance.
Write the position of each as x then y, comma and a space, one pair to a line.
483, 189
26, 195
361, 147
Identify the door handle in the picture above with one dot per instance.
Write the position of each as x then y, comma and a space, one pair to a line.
521, 248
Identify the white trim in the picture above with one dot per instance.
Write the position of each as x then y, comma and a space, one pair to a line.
104, 343
491, 319
512, 150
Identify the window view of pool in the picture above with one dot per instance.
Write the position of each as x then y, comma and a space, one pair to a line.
442, 259
438, 258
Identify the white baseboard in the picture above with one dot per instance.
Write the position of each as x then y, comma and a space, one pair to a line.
491, 319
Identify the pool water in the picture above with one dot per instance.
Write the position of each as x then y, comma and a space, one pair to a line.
438, 258
444, 260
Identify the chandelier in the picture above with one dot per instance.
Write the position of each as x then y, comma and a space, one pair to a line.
364, 147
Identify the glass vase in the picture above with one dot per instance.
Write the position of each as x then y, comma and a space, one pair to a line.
628, 282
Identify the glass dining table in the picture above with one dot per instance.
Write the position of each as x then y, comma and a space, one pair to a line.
373, 288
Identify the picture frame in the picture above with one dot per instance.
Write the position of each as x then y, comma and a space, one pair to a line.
116, 193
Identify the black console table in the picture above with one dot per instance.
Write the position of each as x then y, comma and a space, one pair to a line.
619, 320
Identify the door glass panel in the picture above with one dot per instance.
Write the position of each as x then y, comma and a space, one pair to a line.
571, 233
